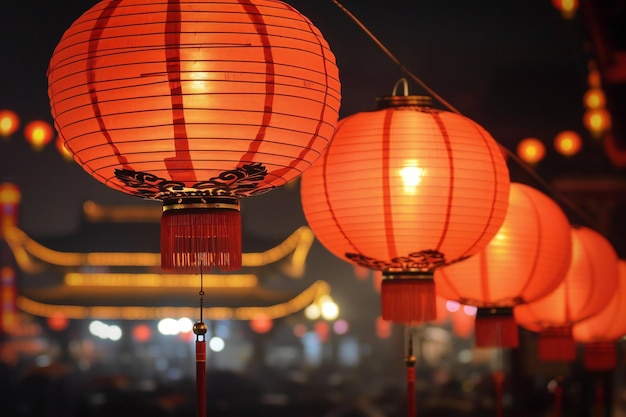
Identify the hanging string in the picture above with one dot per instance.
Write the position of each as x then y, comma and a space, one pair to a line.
402, 66
544, 184
410, 360
200, 330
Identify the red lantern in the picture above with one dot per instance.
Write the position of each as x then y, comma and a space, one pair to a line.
597, 121
406, 189
197, 104
142, 333
568, 143
38, 133
566, 7
531, 150
587, 287
600, 332
322, 330
261, 324
594, 98
383, 328
594, 79
9, 122
58, 322
526, 260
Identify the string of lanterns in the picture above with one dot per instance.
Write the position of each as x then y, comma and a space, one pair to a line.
407, 189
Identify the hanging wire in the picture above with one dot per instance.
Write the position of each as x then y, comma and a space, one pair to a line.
543, 183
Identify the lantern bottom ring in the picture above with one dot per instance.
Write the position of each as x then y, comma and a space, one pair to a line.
228, 204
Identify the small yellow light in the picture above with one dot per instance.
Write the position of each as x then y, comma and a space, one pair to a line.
531, 150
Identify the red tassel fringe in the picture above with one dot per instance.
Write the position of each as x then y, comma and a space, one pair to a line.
194, 237
200, 378
496, 330
599, 356
408, 300
557, 345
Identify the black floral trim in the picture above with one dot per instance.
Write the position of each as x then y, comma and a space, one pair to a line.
237, 183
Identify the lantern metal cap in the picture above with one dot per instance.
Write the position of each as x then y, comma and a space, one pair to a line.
403, 101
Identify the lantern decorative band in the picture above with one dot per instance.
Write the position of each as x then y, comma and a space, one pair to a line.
201, 203
201, 231
496, 327
240, 182
408, 297
556, 344
599, 356
426, 260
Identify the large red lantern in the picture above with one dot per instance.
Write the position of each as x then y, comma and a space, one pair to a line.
600, 332
526, 259
588, 286
198, 104
406, 189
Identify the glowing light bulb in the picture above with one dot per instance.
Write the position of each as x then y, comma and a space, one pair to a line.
411, 177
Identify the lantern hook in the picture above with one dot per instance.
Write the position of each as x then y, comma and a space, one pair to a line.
405, 87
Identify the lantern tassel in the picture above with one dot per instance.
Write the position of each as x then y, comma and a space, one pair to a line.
408, 298
556, 344
200, 376
410, 360
195, 233
496, 327
599, 356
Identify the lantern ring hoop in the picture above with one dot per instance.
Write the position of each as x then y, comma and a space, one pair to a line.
197, 205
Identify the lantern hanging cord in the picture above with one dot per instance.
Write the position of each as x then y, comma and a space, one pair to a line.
201, 292
430, 91
402, 66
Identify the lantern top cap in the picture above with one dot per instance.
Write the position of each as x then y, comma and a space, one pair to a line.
405, 99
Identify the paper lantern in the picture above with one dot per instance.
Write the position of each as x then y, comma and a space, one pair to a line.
588, 286
594, 79
567, 143
58, 322
406, 189
142, 333
9, 122
526, 260
38, 133
531, 150
597, 121
600, 332
566, 7
594, 98
261, 324
198, 104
